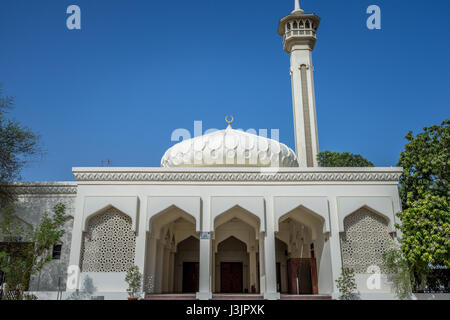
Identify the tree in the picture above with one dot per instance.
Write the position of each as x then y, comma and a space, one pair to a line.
27, 249
399, 272
426, 164
134, 279
424, 190
18, 145
342, 159
425, 228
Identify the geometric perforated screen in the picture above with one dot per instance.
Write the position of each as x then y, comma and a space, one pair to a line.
108, 243
365, 239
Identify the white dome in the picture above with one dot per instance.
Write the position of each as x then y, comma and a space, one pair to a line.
229, 148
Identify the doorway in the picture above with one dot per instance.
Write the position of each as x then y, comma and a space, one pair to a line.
190, 277
278, 277
231, 277
302, 276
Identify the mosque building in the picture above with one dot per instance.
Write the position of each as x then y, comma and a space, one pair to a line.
227, 213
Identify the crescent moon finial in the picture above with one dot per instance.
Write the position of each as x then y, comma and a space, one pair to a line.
229, 119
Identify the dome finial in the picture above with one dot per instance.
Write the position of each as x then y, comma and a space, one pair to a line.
297, 6
229, 119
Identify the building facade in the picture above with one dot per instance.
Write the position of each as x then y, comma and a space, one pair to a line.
226, 213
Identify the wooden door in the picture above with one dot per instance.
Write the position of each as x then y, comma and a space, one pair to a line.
190, 277
231, 277
304, 271
304, 275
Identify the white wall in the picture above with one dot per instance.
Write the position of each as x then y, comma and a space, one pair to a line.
364, 185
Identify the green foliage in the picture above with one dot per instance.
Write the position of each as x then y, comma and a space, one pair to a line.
426, 233
28, 296
347, 285
424, 190
18, 146
134, 280
342, 159
27, 249
426, 164
399, 273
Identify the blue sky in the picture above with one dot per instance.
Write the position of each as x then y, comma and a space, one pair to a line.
140, 69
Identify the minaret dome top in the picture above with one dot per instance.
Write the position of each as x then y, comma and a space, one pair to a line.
298, 28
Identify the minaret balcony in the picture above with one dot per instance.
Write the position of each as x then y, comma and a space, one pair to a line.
299, 37
299, 33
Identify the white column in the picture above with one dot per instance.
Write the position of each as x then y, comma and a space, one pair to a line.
253, 271
262, 270
165, 287
159, 267
151, 264
335, 245
213, 267
75, 246
171, 272
140, 255
269, 254
205, 270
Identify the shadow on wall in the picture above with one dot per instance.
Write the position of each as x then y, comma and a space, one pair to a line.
86, 292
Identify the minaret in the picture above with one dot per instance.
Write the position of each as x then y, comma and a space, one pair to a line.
299, 37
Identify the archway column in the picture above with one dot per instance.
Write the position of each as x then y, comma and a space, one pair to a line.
262, 269
213, 267
171, 271
205, 268
335, 246
253, 270
159, 267
270, 292
140, 257
151, 260
166, 268
270, 268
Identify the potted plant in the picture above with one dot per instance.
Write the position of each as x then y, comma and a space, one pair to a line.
134, 280
347, 285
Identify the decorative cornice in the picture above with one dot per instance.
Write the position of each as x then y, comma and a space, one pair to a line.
44, 188
239, 176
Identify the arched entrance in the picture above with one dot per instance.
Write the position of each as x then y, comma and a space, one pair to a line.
233, 261
281, 251
299, 253
235, 256
187, 266
172, 255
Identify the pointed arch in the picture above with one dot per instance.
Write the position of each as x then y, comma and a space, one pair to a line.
166, 217
186, 236
247, 237
190, 206
368, 227
315, 206
239, 213
382, 206
109, 243
251, 206
235, 236
96, 205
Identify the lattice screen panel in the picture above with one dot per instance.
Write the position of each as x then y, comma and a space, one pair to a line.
109, 243
365, 239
